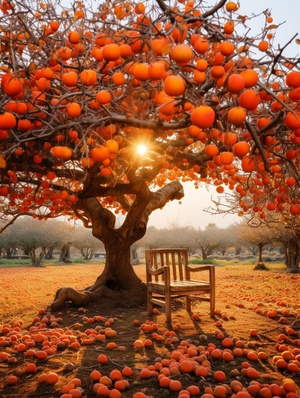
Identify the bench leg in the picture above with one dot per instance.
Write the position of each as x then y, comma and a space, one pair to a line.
188, 304
149, 304
168, 309
212, 304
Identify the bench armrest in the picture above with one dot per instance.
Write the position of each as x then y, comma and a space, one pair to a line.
158, 271
152, 273
204, 267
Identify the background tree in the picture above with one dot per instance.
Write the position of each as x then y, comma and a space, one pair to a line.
207, 241
258, 236
108, 107
33, 237
85, 242
287, 233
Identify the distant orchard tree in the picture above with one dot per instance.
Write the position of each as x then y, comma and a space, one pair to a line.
34, 238
85, 242
258, 236
207, 240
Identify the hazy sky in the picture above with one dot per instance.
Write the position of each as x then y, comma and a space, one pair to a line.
191, 210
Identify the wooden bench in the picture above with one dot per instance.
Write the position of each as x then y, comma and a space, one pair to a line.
168, 276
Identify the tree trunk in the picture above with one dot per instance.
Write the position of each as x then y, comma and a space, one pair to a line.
118, 281
9, 253
134, 256
65, 254
87, 252
238, 251
49, 254
293, 250
260, 265
37, 259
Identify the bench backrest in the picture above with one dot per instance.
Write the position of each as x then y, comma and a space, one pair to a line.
175, 259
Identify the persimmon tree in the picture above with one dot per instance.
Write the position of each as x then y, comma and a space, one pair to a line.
107, 108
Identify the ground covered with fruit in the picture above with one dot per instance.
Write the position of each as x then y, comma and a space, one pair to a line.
250, 348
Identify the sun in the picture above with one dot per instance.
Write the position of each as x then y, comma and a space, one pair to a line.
141, 149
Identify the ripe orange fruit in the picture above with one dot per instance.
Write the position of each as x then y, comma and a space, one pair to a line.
64, 53
202, 65
99, 153
249, 99
219, 375
140, 8
217, 71
111, 52
156, 70
88, 77
250, 76
181, 54
293, 79
226, 48
236, 115
141, 71
103, 97
51, 378
11, 380
290, 181
73, 134
112, 146
263, 46
241, 149
30, 368
203, 116
73, 109
236, 83
167, 105
174, 85
248, 164
291, 121
62, 152
201, 45
175, 385
127, 371
13, 87
115, 374
54, 25
95, 375
74, 37
294, 94
199, 77
69, 79
220, 392
229, 27
226, 157
7, 121
118, 78
231, 6
211, 150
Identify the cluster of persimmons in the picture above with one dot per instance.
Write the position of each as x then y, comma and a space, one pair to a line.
81, 89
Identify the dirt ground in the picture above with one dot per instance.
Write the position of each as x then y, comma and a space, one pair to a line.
235, 316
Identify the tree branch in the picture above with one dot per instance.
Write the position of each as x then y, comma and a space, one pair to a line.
258, 144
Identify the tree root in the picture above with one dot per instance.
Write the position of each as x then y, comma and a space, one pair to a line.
65, 294
82, 298
261, 267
